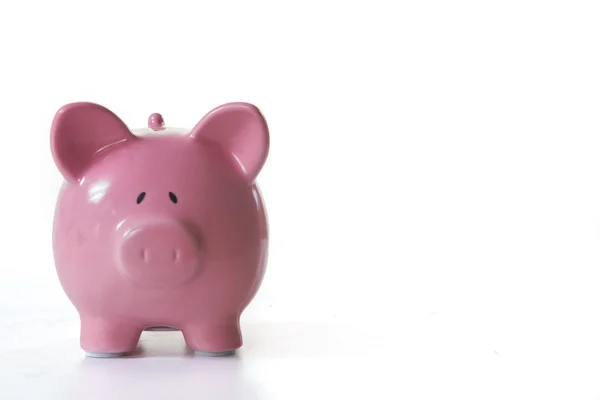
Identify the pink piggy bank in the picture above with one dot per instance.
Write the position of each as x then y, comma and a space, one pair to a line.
161, 229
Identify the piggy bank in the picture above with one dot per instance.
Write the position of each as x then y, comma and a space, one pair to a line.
159, 227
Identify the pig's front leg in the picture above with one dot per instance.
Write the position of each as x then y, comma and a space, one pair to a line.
102, 337
214, 339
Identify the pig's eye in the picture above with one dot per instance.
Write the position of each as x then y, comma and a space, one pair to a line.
173, 197
141, 197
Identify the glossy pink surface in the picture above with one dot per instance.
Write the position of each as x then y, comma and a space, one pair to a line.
165, 230
156, 122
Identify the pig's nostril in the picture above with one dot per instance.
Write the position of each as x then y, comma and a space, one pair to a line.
175, 255
143, 254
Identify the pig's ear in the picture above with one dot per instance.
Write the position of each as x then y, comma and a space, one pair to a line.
239, 129
80, 131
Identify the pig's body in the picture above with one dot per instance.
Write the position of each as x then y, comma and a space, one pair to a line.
165, 230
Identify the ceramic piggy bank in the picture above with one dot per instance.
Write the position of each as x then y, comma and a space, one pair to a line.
159, 227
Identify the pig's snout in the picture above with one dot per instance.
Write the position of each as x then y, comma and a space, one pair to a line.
158, 245
158, 254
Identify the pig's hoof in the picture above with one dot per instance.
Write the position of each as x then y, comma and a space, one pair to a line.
215, 353
104, 355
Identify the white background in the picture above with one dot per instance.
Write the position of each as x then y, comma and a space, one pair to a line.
433, 193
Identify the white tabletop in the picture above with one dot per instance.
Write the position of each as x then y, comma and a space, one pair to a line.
416, 357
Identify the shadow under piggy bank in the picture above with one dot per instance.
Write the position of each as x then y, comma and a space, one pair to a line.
163, 367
